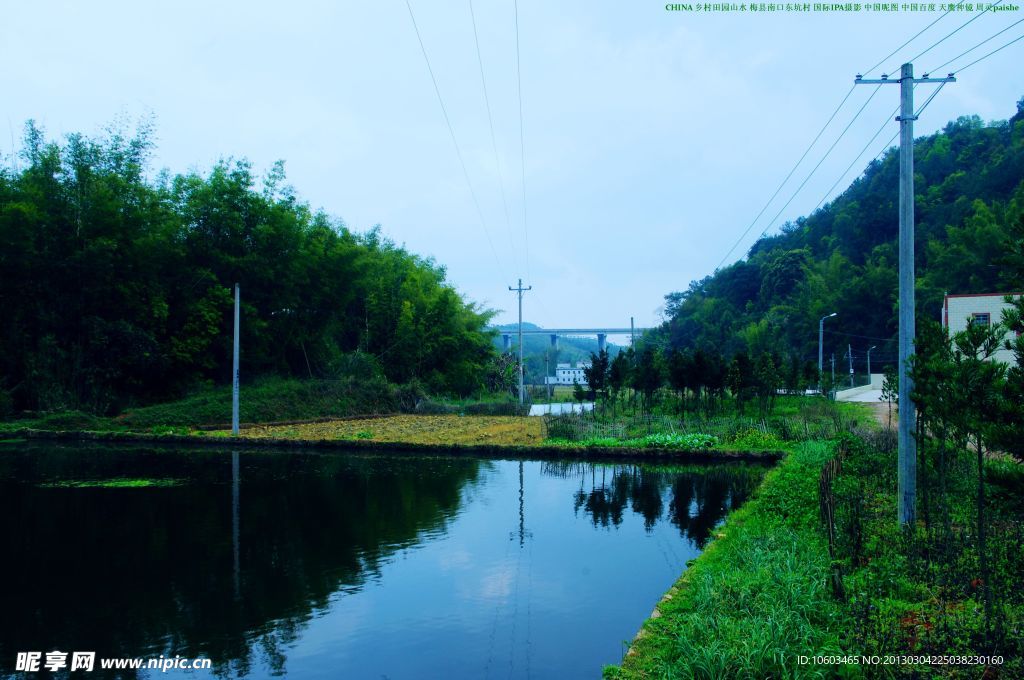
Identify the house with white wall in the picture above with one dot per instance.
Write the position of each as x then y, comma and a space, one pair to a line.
958, 311
568, 374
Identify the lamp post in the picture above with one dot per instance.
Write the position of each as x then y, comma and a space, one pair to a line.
821, 344
869, 360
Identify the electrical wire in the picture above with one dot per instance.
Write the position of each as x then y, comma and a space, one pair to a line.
964, 68
793, 170
882, 60
823, 158
490, 122
854, 161
937, 68
953, 32
887, 144
455, 141
522, 144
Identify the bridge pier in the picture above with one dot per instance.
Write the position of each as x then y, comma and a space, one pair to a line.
507, 341
601, 341
554, 341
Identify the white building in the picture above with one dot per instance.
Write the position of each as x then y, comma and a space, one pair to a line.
567, 374
986, 308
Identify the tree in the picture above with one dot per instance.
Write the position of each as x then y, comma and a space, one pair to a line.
619, 373
597, 374
648, 376
890, 390
976, 380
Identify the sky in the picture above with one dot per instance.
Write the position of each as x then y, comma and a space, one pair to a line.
651, 139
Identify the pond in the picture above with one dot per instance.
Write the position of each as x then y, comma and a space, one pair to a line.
342, 565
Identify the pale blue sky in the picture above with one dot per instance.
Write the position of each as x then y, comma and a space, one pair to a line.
652, 138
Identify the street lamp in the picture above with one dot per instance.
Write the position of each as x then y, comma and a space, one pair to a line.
869, 360
821, 344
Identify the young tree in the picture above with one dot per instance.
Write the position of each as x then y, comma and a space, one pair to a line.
679, 366
648, 376
619, 374
597, 374
766, 379
977, 382
890, 390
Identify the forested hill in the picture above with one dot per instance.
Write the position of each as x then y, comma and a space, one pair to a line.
969, 185
117, 289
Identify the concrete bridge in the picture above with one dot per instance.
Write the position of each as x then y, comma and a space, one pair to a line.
601, 333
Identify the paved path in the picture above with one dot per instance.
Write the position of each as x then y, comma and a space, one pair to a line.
873, 396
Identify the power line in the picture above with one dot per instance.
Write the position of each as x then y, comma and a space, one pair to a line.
455, 141
827, 153
490, 122
820, 132
882, 60
929, 100
964, 68
978, 45
802, 157
953, 32
522, 145
887, 144
854, 161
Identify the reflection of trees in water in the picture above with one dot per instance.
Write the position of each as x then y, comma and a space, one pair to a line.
143, 572
697, 497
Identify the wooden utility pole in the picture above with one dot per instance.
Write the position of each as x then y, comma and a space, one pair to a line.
907, 455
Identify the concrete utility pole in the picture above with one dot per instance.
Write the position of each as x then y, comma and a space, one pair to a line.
520, 290
833, 387
907, 454
821, 343
849, 353
234, 370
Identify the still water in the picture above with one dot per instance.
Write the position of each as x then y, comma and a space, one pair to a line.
341, 565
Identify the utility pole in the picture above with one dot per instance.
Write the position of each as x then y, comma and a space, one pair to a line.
234, 371
849, 353
833, 386
907, 453
547, 372
821, 349
520, 290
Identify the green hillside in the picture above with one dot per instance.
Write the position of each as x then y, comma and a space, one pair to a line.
843, 257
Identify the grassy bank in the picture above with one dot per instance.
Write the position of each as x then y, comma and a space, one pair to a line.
267, 401
757, 597
761, 595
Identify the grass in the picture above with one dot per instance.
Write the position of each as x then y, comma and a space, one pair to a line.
120, 483
757, 597
685, 442
760, 595
270, 400
414, 429
794, 419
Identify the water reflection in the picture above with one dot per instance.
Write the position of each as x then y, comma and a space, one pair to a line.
697, 497
328, 564
133, 571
